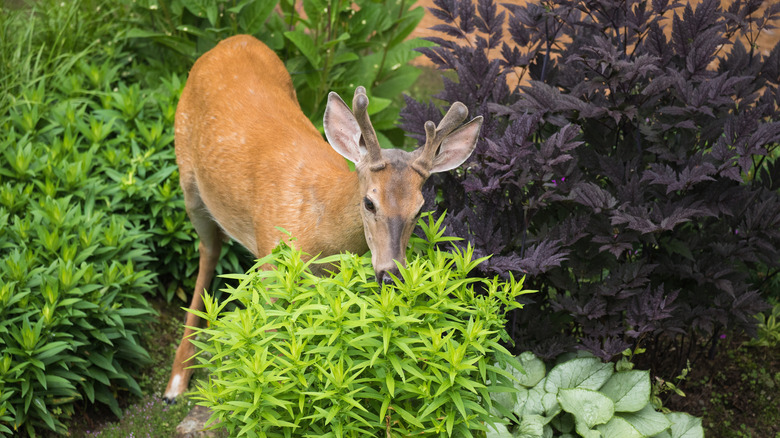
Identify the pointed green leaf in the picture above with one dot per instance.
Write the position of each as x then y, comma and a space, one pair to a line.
618, 428
589, 406
630, 390
534, 369
583, 372
685, 425
306, 45
497, 431
511, 401
531, 426
647, 421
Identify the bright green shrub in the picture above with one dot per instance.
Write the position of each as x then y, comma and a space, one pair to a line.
583, 396
338, 355
88, 200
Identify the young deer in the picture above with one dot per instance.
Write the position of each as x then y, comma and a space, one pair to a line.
250, 161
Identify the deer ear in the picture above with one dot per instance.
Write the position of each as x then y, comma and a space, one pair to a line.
457, 147
342, 130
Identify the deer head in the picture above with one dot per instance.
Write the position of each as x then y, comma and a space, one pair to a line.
391, 180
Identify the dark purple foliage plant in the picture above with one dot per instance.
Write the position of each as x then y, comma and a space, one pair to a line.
628, 165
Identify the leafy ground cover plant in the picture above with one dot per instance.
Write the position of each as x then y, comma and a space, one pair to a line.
88, 199
630, 169
745, 381
72, 273
331, 45
587, 397
338, 355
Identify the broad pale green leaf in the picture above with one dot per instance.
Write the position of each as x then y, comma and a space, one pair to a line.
511, 401
533, 403
630, 390
315, 11
531, 426
550, 405
647, 421
583, 372
618, 428
534, 369
584, 431
563, 423
685, 425
497, 431
589, 406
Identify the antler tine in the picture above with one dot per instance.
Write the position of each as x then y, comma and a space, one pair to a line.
433, 137
360, 110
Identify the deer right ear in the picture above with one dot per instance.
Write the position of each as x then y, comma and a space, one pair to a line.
342, 129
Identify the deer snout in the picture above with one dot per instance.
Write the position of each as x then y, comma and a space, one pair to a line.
387, 241
384, 277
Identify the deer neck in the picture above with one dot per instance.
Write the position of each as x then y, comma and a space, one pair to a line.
342, 223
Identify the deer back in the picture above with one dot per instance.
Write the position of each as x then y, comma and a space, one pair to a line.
256, 160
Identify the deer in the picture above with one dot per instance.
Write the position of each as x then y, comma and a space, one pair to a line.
250, 161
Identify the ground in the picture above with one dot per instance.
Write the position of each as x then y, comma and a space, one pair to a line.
736, 393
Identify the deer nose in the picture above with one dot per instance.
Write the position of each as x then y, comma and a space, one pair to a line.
384, 277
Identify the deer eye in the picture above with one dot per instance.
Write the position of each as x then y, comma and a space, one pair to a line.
369, 205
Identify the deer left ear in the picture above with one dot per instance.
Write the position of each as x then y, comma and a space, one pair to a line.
457, 147
342, 129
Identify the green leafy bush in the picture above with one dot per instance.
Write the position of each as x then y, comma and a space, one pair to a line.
88, 199
586, 397
328, 45
339, 355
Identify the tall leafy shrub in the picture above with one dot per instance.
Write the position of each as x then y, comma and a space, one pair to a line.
330, 45
628, 164
339, 355
86, 205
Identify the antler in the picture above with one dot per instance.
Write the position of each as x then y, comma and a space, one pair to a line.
360, 110
435, 135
